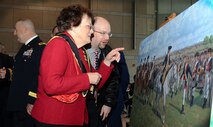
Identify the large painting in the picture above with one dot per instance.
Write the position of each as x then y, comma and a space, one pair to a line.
175, 72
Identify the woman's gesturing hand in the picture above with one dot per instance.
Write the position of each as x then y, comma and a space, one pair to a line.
113, 55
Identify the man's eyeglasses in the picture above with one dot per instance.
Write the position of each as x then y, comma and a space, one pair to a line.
103, 33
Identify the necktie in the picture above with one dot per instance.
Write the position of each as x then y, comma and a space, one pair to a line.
96, 60
96, 68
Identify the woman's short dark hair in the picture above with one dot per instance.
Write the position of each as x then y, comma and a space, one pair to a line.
72, 16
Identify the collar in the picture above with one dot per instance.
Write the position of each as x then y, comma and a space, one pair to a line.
29, 40
93, 49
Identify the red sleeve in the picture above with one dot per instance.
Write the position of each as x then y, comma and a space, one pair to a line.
58, 70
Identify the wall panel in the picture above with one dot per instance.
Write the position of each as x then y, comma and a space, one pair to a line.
7, 40
128, 25
106, 5
49, 19
64, 3
28, 2
35, 15
6, 18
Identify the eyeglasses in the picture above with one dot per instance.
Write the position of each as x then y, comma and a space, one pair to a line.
103, 33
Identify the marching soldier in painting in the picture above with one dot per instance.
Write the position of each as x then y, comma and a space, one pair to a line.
185, 78
195, 75
201, 72
208, 79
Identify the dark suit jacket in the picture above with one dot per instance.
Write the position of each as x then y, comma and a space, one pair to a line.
124, 74
25, 75
7, 62
108, 93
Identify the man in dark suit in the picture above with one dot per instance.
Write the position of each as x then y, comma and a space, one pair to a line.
6, 65
25, 74
110, 101
107, 95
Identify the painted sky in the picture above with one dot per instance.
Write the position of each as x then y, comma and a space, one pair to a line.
188, 28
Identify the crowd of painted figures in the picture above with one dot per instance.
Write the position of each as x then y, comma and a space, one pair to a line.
191, 73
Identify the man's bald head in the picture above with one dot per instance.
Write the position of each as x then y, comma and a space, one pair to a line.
98, 21
24, 30
27, 23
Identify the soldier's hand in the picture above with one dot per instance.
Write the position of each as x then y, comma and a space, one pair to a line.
113, 55
94, 77
29, 108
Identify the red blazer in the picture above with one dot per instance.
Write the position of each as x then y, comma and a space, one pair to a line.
60, 74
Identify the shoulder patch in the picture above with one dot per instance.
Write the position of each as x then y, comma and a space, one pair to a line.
41, 43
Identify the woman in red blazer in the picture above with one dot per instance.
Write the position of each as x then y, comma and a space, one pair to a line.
61, 76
